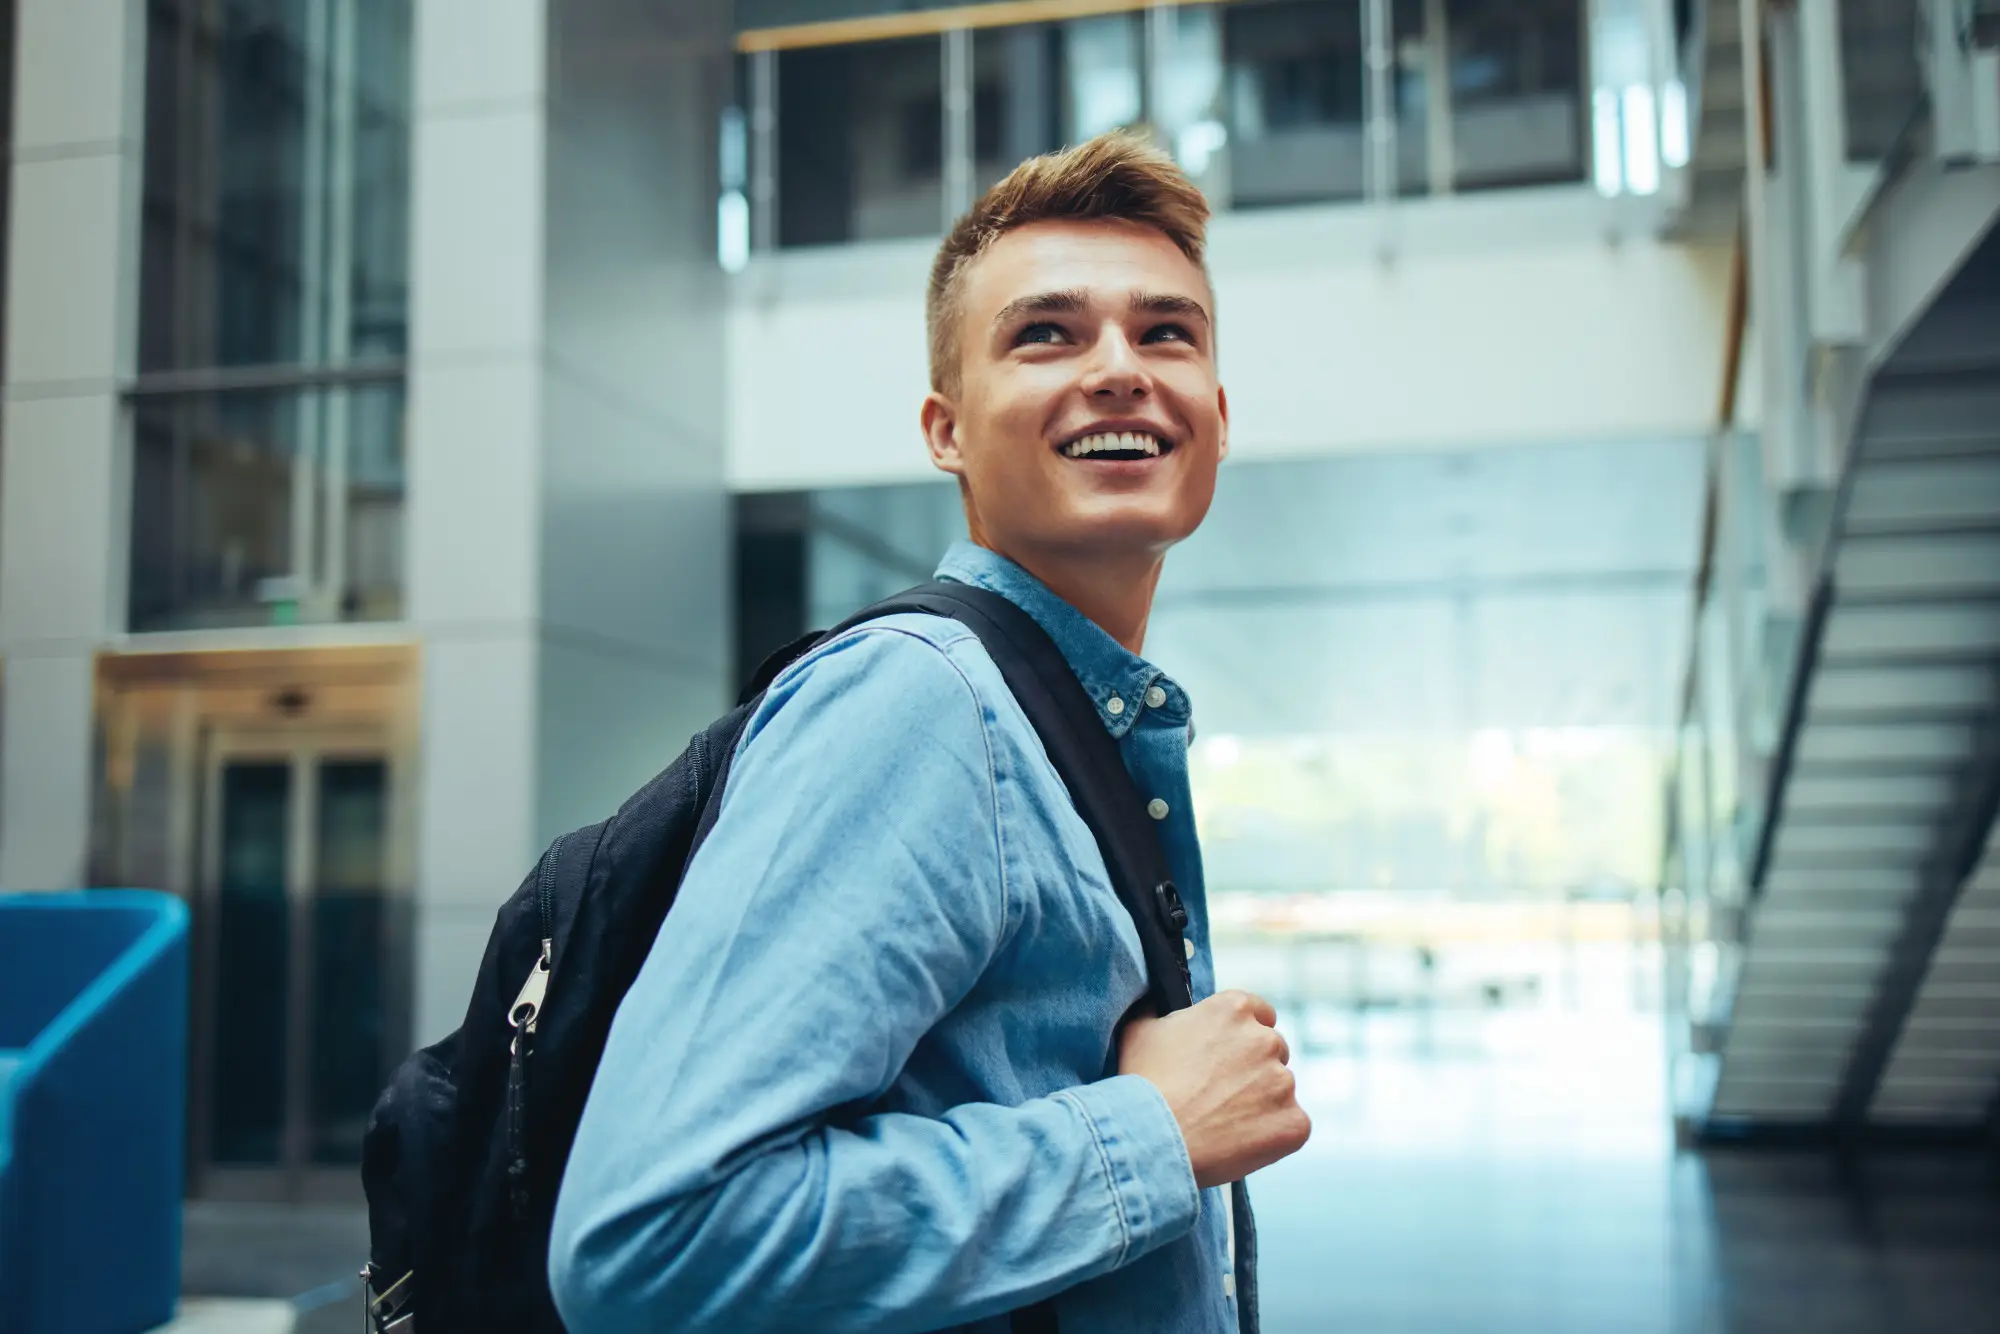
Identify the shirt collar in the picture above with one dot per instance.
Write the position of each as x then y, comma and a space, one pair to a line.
1121, 683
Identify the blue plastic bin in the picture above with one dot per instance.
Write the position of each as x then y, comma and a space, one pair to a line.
93, 1091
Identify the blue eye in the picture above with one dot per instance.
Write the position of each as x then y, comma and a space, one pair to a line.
1159, 332
1040, 333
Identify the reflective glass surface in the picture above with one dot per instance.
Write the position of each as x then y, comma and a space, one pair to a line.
860, 142
1415, 62
350, 1035
1516, 92
267, 507
1296, 99
252, 965
1016, 113
1039, 86
276, 195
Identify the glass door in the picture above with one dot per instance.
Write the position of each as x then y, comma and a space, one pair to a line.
299, 928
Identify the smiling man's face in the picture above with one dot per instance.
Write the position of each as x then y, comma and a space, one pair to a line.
1087, 417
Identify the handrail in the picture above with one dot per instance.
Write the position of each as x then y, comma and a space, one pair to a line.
935, 22
1788, 739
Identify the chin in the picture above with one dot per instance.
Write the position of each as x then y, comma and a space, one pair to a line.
1126, 524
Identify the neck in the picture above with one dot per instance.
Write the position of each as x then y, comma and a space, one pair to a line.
1115, 592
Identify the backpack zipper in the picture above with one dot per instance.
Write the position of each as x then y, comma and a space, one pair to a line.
527, 1008
527, 1004
546, 891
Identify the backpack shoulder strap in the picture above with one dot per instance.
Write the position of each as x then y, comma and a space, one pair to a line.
1085, 757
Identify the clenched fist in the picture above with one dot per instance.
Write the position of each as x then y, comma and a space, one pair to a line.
1221, 1066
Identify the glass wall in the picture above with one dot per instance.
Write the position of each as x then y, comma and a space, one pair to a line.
1731, 703
1264, 102
1297, 101
1516, 92
273, 313
1434, 703
267, 506
860, 142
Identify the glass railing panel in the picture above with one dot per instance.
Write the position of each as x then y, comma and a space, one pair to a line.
1036, 87
860, 142
1516, 92
267, 506
1419, 83
1016, 113
1295, 92
1882, 83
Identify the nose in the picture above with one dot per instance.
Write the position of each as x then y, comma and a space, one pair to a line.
1115, 370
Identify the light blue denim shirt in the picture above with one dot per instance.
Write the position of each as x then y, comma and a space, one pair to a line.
865, 1080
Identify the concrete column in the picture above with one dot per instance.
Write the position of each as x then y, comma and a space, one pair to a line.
72, 280
567, 514
473, 537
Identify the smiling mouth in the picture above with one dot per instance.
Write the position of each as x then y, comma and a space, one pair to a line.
1118, 447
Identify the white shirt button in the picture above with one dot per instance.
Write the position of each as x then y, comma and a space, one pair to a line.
1155, 697
1115, 705
1157, 809
1189, 942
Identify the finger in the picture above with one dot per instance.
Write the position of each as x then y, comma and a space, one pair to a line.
1261, 1011
1284, 1048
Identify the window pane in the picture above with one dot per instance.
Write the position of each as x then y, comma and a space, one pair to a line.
258, 507
1516, 92
350, 1018
276, 182
860, 142
1101, 75
1016, 113
1040, 86
253, 964
1413, 60
1296, 98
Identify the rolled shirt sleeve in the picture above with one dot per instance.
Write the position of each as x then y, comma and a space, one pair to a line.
728, 1173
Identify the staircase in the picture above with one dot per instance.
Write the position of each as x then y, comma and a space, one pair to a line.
1870, 987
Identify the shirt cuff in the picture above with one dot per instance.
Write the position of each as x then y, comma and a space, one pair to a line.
1145, 1160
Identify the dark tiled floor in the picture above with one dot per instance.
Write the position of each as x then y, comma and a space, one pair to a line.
269, 1250
1507, 1173
1514, 1172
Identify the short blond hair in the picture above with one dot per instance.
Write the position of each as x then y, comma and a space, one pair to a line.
1115, 176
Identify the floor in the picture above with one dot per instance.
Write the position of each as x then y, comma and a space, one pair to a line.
1506, 1171
1514, 1171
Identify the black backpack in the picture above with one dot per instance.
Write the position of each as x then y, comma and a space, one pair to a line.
466, 1148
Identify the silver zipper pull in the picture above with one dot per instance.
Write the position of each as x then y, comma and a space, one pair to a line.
528, 1005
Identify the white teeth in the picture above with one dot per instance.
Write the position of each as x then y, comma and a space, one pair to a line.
1108, 441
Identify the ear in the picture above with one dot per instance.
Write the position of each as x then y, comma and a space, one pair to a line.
939, 419
1222, 406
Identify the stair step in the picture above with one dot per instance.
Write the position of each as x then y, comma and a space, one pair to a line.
1920, 633
1844, 690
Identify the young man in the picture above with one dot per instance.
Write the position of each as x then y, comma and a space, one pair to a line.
874, 1074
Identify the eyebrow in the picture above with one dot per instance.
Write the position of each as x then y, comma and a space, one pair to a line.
1069, 301
1074, 301
1166, 303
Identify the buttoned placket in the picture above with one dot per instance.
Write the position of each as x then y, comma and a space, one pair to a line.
1158, 808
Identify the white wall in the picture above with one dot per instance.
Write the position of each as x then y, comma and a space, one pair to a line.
1531, 316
